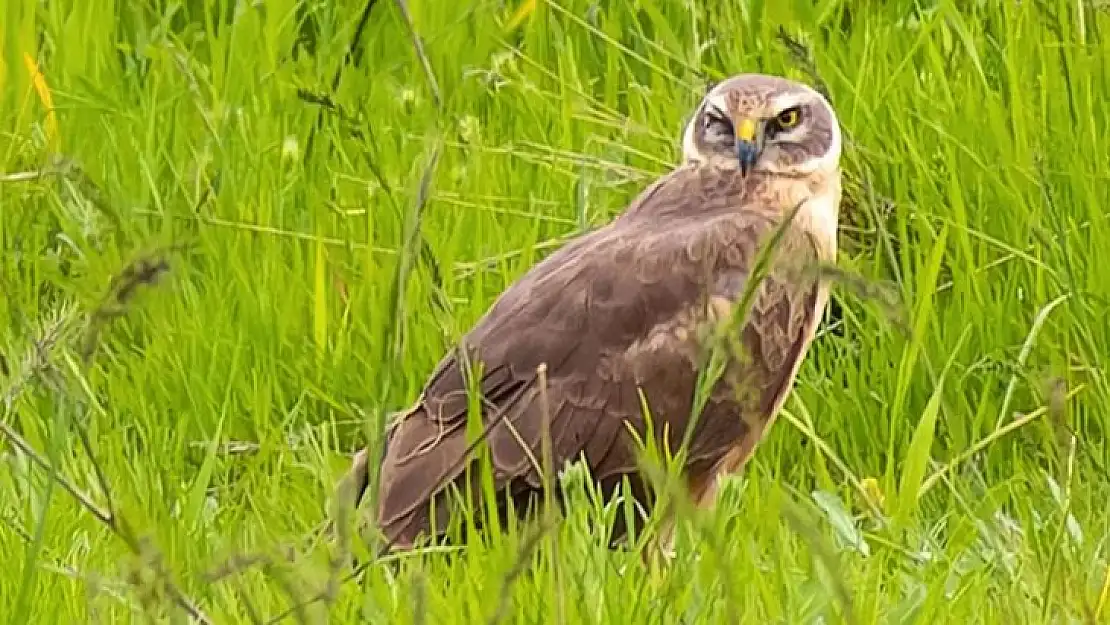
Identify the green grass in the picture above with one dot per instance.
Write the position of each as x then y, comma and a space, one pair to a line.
224, 400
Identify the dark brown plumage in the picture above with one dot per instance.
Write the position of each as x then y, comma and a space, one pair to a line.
623, 310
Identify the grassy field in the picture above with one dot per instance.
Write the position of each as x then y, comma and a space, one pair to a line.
233, 242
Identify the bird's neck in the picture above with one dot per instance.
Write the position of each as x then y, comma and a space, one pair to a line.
819, 214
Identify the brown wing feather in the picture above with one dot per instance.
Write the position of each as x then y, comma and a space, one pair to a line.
616, 310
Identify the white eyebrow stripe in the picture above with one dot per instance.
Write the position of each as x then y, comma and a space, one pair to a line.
787, 100
713, 111
719, 102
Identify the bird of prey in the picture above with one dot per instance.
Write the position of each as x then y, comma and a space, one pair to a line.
620, 319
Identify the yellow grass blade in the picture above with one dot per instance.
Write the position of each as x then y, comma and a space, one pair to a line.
522, 12
1102, 596
38, 80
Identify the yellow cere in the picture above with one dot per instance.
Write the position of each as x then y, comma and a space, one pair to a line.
745, 130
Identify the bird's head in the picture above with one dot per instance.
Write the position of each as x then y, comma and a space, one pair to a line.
767, 124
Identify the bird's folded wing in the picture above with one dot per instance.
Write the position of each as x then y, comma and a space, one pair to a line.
614, 313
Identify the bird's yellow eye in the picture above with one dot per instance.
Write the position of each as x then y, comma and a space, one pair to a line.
789, 118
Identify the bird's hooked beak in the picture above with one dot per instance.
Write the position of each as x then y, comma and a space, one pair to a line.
749, 144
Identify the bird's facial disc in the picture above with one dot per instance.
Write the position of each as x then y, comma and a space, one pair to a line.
756, 123
747, 135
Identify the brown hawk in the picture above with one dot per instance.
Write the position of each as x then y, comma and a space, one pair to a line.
625, 312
